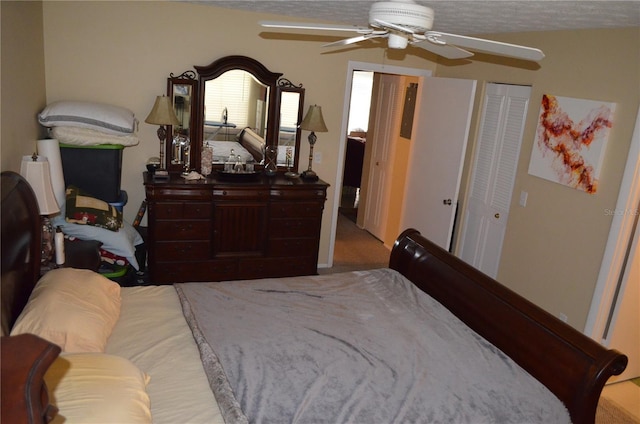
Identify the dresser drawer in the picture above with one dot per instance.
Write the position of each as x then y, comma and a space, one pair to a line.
182, 230
288, 194
292, 228
182, 250
293, 247
178, 272
250, 194
182, 210
295, 210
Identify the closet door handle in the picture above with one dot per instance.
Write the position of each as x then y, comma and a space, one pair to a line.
446, 202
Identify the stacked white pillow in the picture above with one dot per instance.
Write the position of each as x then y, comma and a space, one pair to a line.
90, 123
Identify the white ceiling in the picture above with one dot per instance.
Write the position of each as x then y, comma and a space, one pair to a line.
464, 16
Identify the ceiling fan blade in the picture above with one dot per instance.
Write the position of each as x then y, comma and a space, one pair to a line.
353, 40
444, 50
321, 27
487, 46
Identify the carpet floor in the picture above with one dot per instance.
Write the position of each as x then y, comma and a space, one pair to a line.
609, 412
356, 249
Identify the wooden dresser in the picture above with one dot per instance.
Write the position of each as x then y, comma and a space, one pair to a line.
213, 230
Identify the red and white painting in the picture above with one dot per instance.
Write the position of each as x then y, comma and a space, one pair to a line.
570, 141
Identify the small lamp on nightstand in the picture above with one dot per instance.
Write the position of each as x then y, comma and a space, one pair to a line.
35, 169
162, 114
313, 122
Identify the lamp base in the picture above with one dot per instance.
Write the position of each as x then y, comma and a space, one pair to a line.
309, 175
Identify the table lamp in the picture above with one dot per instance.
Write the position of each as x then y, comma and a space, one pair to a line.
313, 122
35, 169
162, 114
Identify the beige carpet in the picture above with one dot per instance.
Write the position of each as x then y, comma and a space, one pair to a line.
356, 249
610, 413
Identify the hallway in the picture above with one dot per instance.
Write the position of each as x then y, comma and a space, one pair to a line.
356, 249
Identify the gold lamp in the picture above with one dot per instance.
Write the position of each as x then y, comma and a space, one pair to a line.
35, 169
313, 122
162, 114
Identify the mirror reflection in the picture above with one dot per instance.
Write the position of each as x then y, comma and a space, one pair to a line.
183, 91
235, 117
182, 98
291, 102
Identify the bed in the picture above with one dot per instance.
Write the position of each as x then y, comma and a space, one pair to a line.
176, 360
250, 147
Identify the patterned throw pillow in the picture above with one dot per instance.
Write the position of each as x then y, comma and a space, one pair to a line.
86, 210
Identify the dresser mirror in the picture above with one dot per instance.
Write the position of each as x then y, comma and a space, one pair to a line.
234, 103
238, 107
290, 105
183, 91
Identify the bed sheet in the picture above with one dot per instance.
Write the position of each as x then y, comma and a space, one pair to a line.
153, 334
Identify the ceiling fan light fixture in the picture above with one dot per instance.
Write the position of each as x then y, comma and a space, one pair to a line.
396, 41
402, 12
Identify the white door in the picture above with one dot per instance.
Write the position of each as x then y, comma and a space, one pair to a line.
624, 332
441, 130
493, 175
384, 127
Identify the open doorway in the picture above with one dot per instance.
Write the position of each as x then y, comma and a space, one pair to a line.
437, 96
371, 68
358, 124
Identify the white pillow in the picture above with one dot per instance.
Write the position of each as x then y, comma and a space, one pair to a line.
98, 116
73, 308
89, 137
97, 388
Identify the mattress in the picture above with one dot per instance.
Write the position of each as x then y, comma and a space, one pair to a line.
154, 335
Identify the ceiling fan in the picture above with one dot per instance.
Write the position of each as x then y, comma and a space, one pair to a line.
403, 23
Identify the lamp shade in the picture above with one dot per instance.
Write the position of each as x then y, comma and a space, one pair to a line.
162, 113
35, 169
314, 121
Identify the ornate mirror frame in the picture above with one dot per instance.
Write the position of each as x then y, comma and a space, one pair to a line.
183, 92
285, 88
196, 82
217, 68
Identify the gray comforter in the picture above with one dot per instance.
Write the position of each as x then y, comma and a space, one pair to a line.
360, 347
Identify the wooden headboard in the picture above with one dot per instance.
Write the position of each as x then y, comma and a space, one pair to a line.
21, 241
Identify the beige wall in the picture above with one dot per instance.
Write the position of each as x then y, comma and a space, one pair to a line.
554, 246
23, 81
122, 52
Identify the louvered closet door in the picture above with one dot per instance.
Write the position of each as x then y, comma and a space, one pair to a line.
494, 172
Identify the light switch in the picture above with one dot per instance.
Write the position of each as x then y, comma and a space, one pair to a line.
523, 198
317, 157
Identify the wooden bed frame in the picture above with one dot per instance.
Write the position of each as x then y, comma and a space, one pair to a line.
571, 365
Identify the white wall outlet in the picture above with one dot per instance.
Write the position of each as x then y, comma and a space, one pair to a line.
562, 317
523, 198
317, 157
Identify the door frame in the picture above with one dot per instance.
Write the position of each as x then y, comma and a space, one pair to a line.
616, 254
357, 66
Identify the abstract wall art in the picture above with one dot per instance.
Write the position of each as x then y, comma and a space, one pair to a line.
570, 142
